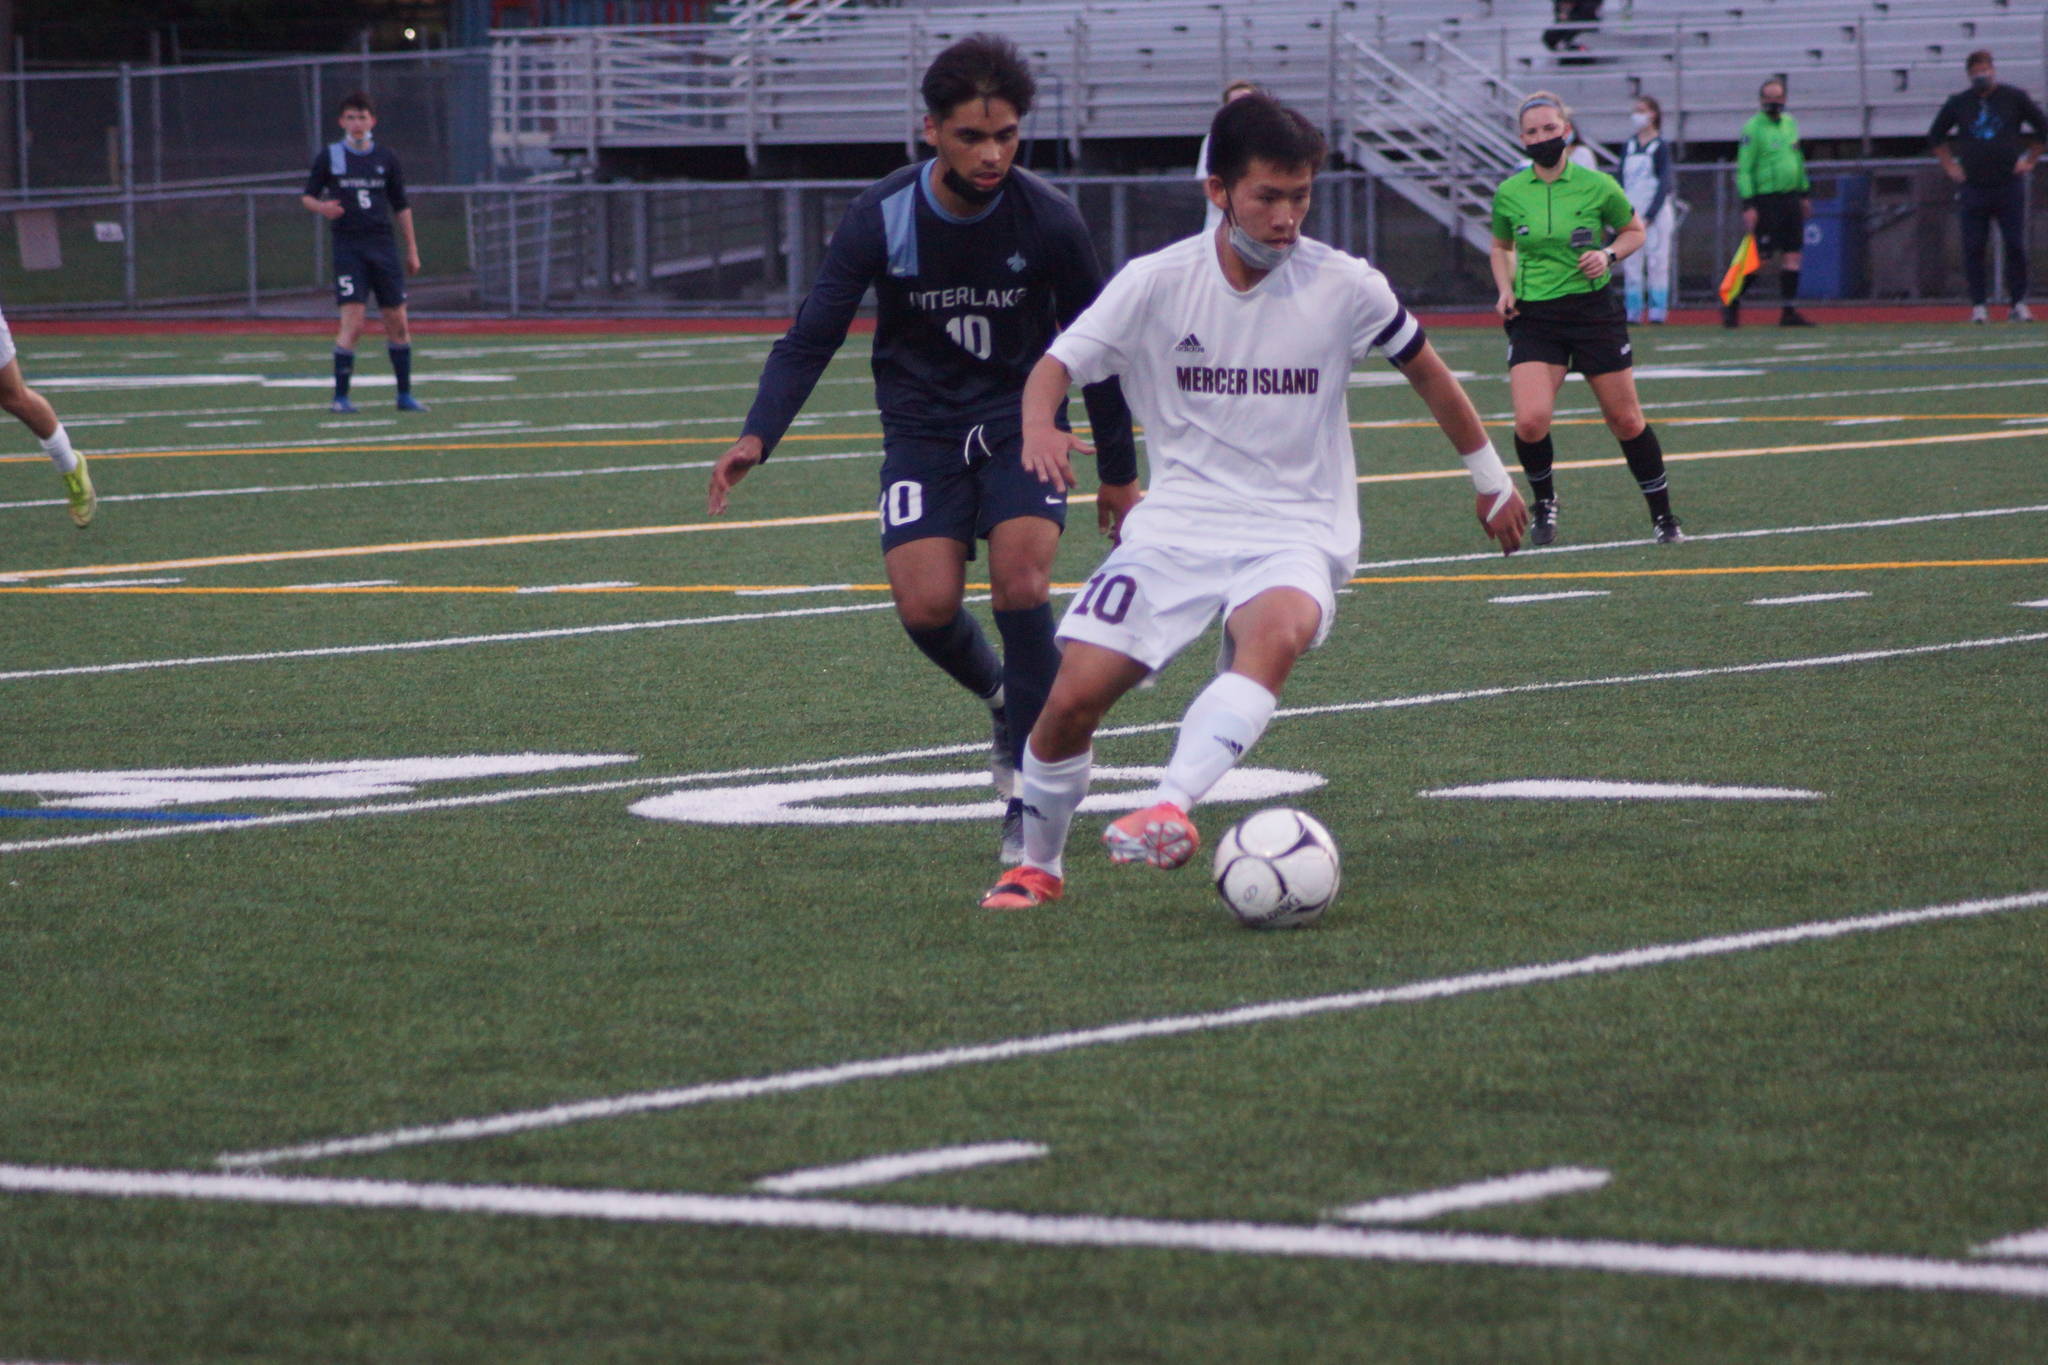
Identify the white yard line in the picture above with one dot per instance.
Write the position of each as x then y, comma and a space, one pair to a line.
448, 400
1828, 1268
1480, 1194
1584, 789
824, 765
450, 642
1752, 399
323, 587
578, 587
880, 1170
1802, 599
2022, 1244
667, 466
1493, 556
1519, 598
119, 583
656, 1101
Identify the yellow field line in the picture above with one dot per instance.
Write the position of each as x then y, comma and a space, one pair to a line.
443, 447
1417, 424
1700, 571
687, 528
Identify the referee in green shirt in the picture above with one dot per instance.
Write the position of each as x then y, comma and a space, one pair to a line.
1555, 278
1770, 177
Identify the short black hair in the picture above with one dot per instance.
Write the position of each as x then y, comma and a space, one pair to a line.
355, 99
1981, 57
1257, 126
981, 66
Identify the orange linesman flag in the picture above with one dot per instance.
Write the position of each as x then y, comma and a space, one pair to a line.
1740, 269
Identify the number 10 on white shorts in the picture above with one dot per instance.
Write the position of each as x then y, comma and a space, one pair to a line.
1150, 602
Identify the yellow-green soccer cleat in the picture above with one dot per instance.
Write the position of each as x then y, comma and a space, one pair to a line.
78, 489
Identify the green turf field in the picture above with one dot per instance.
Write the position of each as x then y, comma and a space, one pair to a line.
318, 1051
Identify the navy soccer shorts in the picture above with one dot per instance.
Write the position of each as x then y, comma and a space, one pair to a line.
366, 267
960, 485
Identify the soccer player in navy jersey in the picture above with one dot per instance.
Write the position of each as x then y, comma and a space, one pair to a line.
976, 265
357, 186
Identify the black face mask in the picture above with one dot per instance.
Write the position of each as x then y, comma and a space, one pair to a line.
1546, 153
1982, 83
1774, 110
968, 190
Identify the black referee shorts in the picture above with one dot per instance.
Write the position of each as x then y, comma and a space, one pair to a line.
1584, 332
1780, 225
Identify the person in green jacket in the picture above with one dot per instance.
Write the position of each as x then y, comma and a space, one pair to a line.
1770, 177
1554, 267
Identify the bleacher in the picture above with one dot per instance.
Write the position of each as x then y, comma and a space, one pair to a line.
1874, 69
832, 71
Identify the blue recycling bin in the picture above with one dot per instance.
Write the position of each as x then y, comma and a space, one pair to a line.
1837, 242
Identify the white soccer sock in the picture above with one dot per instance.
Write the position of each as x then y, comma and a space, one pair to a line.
1051, 792
1220, 726
57, 445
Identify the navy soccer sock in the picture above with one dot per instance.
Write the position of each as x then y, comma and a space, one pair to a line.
401, 366
963, 651
344, 369
1031, 659
1645, 455
1536, 458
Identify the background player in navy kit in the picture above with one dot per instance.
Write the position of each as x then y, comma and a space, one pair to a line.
357, 186
975, 265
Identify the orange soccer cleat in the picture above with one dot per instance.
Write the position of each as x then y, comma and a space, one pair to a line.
1022, 888
1162, 835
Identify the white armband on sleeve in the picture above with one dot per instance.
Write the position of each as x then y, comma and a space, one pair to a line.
1489, 475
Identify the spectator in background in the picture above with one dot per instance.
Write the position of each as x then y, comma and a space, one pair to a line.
1978, 141
1573, 19
1770, 176
1651, 184
1214, 215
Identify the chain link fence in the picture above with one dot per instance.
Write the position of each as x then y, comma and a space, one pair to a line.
1883, 231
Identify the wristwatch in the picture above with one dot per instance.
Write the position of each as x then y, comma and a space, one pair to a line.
1612, 259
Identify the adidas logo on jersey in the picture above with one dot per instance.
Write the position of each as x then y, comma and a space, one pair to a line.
1017, 263
1190, 344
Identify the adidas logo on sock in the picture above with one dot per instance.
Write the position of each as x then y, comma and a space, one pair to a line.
1190, 344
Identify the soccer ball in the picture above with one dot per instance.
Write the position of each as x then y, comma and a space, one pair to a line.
1277, 869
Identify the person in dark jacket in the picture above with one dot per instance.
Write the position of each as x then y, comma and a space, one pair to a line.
1977, 138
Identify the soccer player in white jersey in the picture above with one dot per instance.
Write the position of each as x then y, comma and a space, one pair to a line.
1234, 350
33, 411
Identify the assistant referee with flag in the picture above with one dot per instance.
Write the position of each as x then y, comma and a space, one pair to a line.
1770, 176
1562, 313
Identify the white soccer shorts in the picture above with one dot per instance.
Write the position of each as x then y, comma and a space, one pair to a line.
6, 344
1149, 602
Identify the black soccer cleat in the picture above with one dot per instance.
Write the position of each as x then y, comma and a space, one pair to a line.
1002, 765
1010, 851
1543, 521
1668, 532
1792, 317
